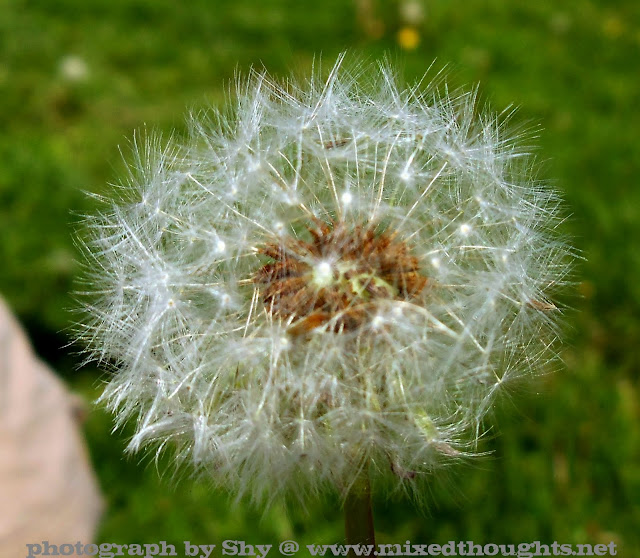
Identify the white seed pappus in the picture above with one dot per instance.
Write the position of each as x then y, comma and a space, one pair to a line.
330, 275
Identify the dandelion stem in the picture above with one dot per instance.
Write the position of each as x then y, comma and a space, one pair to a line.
358, 515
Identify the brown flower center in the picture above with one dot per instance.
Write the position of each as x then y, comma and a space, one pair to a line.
337, 279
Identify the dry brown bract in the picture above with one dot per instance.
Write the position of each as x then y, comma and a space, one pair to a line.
337, 278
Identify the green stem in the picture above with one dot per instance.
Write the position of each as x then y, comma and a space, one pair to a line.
358, 515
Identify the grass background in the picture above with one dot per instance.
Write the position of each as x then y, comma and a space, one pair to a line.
565, 461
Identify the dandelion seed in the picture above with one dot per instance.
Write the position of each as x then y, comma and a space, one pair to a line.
465, 229
347, 198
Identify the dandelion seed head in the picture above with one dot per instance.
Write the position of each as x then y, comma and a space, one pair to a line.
328, 274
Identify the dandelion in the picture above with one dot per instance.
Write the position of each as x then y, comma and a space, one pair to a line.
73, 68
408, 37
324, 287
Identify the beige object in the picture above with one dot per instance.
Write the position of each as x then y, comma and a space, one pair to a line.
48, 491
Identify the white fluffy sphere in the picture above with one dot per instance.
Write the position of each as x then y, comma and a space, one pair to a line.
328, 277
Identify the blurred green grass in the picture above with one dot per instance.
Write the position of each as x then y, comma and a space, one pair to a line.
78, 77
